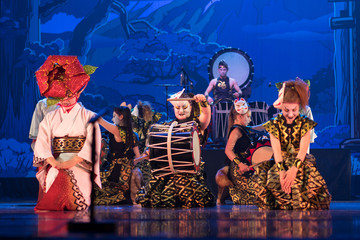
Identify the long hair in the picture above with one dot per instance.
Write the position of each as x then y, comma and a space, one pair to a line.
125, 112
232, 117
145, 110
296, 91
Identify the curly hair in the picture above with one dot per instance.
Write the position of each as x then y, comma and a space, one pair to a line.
145, 110
296, 91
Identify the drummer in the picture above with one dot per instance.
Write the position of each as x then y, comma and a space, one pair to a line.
223, 90
182, 189
223, 86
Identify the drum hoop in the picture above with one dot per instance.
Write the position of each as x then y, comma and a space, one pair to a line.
197, 166
169, 146
173, 164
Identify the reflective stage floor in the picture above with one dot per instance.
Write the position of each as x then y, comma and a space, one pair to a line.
342, 221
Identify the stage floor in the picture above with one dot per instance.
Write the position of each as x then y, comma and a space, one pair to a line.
342, 221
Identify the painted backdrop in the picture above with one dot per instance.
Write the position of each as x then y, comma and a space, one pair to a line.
138, 46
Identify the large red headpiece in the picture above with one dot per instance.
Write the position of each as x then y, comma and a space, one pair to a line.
61, 74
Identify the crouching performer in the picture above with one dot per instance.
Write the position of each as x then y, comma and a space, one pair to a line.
63, 148
245, 149
293, 183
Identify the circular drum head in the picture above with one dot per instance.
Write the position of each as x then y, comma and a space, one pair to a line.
241, 67
261, 154
196, 150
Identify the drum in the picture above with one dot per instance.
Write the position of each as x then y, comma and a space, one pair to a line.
220, 116
259, 113
174, 148
241, 67
259, 151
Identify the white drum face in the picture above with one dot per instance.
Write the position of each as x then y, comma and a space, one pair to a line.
240, 65
261, 154
196, 148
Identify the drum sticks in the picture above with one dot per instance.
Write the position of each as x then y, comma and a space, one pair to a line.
180, 99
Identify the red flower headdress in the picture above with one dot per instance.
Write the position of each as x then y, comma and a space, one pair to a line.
61, 75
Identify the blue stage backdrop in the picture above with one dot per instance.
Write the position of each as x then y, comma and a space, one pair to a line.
138, 46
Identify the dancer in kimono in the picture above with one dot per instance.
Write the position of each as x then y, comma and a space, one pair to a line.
184, 190
294, 181
63, 149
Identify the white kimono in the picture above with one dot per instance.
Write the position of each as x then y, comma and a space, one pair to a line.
73, 190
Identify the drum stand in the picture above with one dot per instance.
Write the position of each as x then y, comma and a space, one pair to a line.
166, 96
93, 226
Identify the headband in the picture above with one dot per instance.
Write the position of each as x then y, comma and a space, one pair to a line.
176, 96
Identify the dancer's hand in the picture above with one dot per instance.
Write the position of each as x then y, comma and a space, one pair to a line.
199, 98
289, 179
243, 168
52, 161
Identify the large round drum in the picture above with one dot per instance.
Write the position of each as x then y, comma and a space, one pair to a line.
174, 148
241, 67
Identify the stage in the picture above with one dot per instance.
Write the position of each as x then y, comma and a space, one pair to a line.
19, 220
342, 221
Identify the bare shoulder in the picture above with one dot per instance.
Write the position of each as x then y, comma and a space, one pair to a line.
235, 133
213, 81
232, 80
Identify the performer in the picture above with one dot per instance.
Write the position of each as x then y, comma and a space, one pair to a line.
236, 174
41, 109
181, 189
123, 147
293, 182
306, 112
63, 146
223, 86
143, 116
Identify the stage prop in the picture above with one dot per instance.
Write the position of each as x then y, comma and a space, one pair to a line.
93, 225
